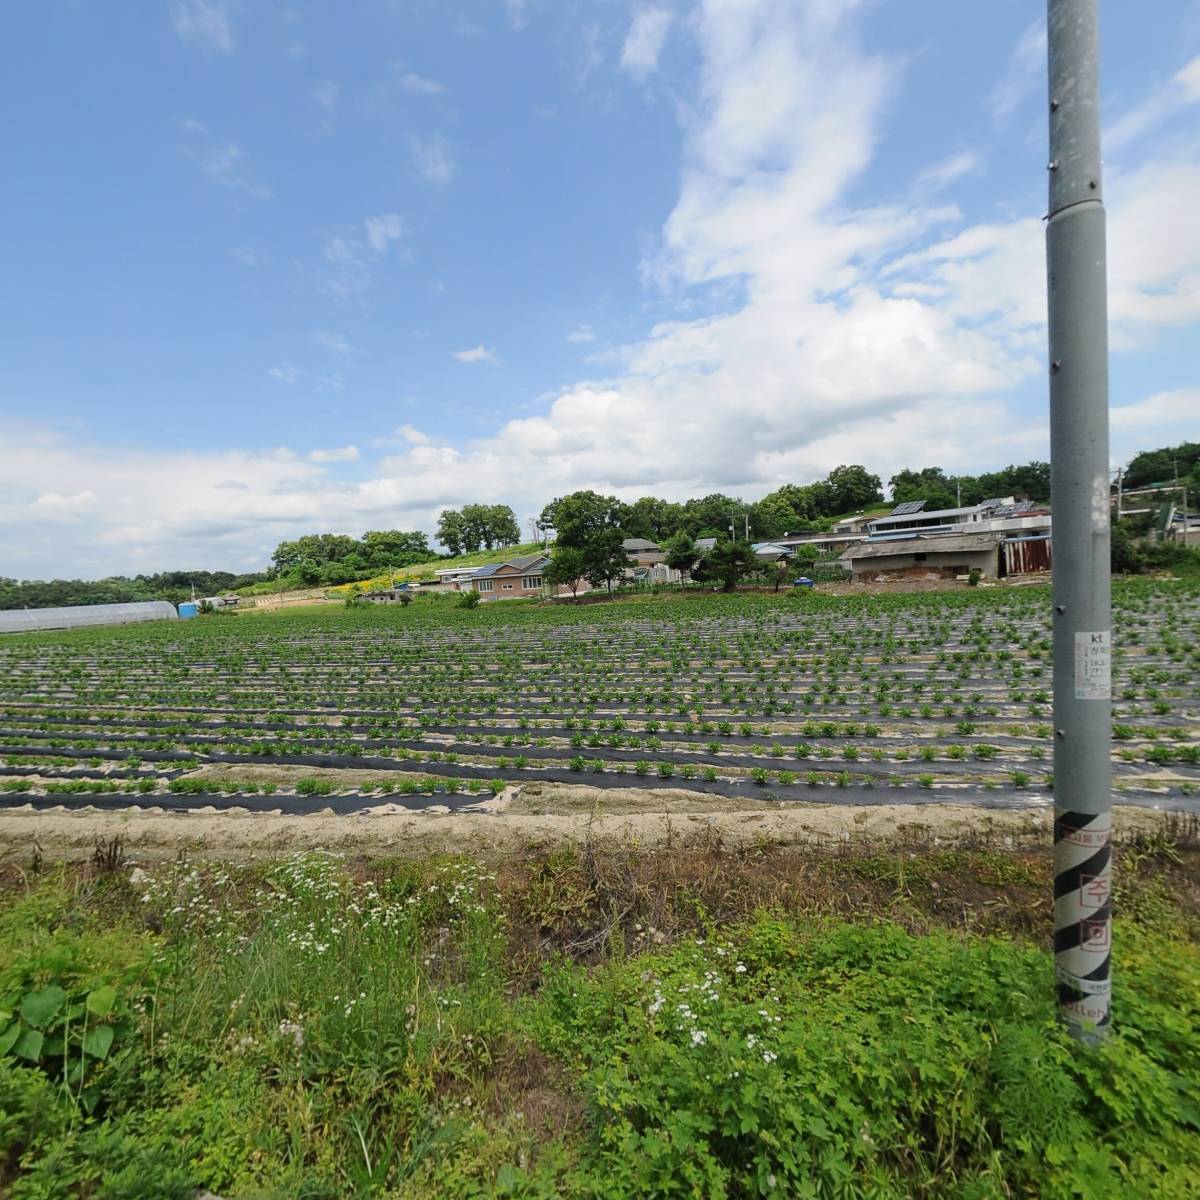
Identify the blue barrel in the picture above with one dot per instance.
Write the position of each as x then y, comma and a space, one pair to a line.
188, 610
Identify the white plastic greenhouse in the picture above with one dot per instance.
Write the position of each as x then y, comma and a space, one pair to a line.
18, 619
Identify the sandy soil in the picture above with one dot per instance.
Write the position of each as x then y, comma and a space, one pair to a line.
536, 814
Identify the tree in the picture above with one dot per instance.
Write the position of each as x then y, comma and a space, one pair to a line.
710, 515
395, 548
653, 519
314, 548
850, 488
592, 523
929, 484
1163, 465
450, 531
503, 525
681, 553
604, 558
726, 563
579, 516
565, 569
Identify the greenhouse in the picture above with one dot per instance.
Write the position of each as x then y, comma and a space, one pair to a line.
75, 615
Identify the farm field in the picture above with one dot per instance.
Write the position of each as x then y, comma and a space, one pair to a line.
916, 699
865, 1012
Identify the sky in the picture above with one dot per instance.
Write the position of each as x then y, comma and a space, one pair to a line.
282, 268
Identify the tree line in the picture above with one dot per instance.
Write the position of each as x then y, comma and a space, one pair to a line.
325, 559
174, 586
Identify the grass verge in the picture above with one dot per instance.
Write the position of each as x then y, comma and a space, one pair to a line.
594, 1021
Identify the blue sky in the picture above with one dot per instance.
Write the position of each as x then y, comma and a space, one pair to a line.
281, 268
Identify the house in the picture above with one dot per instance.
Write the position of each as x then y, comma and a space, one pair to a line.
517, 578
946, 555
455, 577
772, 552
643, 553
1001, 515
856, 524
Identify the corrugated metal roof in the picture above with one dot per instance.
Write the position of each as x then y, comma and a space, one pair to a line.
638, 544
946, 543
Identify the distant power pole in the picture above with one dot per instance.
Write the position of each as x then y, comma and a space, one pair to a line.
1077, 285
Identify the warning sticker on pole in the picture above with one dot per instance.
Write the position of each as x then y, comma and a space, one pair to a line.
1093, 665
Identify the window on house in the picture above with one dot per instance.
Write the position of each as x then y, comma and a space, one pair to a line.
531, 583
484, 585
508, 587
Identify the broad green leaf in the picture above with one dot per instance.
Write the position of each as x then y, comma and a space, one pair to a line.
100, 1002
40, 1008
29, 1045
98, 1041
9, 1037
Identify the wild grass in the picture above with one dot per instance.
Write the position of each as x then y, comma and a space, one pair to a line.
596, 1021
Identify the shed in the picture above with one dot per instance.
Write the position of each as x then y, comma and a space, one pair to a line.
77, 615
945, 554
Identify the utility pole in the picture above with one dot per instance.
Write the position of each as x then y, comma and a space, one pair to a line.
1078, 328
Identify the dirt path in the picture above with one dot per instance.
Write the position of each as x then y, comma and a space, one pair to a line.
535, 814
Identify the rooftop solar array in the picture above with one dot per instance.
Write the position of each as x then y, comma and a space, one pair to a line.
907, 508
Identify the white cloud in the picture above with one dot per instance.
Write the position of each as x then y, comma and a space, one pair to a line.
644, 42
344, 454
67, 506
889, 334
384, 229
222, 162
582, 333
1026, 69
246, 256
477, 354
433, 159
326, 94
942, 174
292, 375
1163, 419
418, 85
345, 259
1181, 91
203, 23
465, 28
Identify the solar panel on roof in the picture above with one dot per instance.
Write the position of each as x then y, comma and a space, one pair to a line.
907, 508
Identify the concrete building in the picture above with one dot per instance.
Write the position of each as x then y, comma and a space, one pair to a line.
1002, 515
943, 555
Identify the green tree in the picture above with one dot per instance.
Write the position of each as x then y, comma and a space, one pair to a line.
450, 531
566, 568
604, 558
710, 515
682, 553
395, 548
848, 489
503, 526
314, 548
726, 563
929, 484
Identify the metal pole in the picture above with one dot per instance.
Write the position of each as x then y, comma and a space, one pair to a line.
1075, 260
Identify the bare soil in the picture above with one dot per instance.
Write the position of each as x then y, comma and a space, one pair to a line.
530, 815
